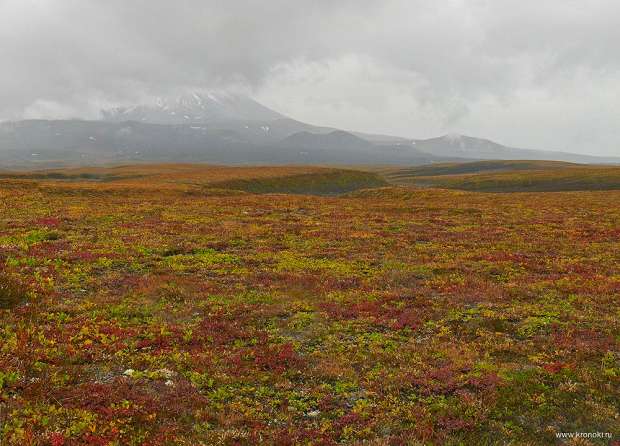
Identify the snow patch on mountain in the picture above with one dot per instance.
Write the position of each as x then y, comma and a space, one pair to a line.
453, 137
193, 107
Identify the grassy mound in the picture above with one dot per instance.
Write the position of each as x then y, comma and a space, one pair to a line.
12, 293
331, 182
476, 167
557, 181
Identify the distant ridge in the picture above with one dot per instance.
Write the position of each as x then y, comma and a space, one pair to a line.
222, 127
455, 145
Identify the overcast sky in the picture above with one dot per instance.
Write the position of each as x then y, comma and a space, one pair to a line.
537, 74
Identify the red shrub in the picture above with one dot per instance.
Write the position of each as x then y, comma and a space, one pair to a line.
50, 222
555, 367
57, 439
276, 358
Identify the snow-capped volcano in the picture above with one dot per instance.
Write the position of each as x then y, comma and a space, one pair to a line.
194, 108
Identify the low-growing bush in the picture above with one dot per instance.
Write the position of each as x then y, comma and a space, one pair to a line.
12, 293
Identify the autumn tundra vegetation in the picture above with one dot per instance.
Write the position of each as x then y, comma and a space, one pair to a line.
203, 305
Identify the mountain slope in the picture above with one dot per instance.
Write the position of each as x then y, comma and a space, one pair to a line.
57, 143
347, 148
337, 139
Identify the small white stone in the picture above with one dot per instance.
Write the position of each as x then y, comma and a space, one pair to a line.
129, 372
166, 373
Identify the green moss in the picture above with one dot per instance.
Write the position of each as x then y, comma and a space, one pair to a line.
536, 324
201, 258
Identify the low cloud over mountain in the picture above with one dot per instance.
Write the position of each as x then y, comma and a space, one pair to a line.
230, 128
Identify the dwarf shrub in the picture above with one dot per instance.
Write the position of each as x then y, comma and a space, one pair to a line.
12, 293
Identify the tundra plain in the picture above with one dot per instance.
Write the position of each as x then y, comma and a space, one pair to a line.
191, 304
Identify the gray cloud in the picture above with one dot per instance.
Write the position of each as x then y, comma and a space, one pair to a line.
535, 74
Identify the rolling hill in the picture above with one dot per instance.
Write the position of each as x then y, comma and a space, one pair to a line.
509, 176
